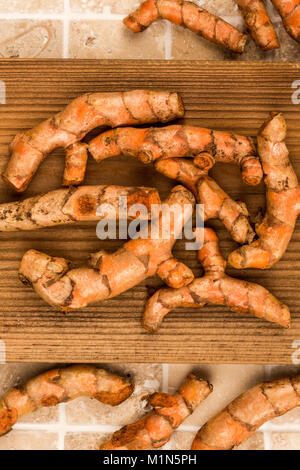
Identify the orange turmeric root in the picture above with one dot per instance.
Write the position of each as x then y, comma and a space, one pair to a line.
216, 203
66, 206
239, 420
82, 115
259, 24
191, 16
169, 411
148, 145
75, 164
112, 274
215, 287
289, 10
61, 385
283, 201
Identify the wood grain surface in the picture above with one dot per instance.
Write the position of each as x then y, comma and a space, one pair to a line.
220, 95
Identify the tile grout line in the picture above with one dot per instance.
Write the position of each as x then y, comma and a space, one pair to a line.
62, 424
168, 40
267, 440
63, 428
106, 15
165, 378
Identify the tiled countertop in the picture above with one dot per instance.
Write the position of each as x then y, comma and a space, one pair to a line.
93, 29
85, 423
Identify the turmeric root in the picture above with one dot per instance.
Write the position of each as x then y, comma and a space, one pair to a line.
191, 16
289, 10
283, 201
112, 274
82, 115
239, 420
66, 206
215, 287
259, 24
169, 411
61, 385
216, 203
75, 164
153, 143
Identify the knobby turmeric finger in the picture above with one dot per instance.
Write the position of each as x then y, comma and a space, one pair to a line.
172, 141
259, 24
191, 16
66, 206
61, 385
241, 418
169, 411
216, 203
111, 274
215, 287
282, 197
289, 10
82, 115
75, 164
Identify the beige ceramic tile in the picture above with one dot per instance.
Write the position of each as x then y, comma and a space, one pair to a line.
97, 6
187, 45
221, 8
29, 440
31, 6
84, 440
112, 40
229, 381
255, 442
30, 39
180, 440
16, 374
147, 379
285, 441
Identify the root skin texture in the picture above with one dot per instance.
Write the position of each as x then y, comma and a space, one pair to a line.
61, 385
259, 24
217, 204
81, 116
215, 287
169, 411
191, 16
247, 413
289, 10
283, 201
111, 274
75, 164
149, 145
66, 206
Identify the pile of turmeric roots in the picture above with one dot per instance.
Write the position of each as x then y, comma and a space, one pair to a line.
181, 152
213, 28
229, 428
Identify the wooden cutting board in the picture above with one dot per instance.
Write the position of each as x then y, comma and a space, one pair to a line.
224, 95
